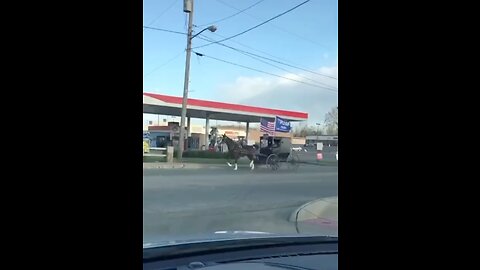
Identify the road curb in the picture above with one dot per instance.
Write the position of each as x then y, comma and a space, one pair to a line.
326, 208
333, 163
180, 166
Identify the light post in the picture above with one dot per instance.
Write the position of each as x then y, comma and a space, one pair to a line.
318, 125
188, 8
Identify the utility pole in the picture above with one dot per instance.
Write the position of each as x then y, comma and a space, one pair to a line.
187, 7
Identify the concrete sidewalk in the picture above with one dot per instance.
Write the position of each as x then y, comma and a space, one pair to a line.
194, 165
318, 215
177, 165
326, 208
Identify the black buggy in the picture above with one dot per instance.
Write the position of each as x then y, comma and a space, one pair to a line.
273, 151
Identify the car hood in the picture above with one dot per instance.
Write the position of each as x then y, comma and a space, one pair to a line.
221, 236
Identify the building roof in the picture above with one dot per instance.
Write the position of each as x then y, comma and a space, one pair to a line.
197, 108
322, 137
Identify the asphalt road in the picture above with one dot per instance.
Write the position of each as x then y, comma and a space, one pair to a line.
187, 204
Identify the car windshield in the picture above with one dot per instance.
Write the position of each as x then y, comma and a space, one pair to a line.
240, 119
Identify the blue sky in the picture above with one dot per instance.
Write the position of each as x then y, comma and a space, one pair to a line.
305, 37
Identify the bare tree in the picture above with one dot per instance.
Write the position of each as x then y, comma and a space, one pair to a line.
331, 121
302, 131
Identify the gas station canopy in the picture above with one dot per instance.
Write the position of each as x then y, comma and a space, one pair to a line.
197, 108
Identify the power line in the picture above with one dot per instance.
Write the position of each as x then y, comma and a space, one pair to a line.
165, 30
233, 15
246, 46
301, 76
277, 27
261, 71
167, 62
254, 56
163, 12
313, 72
266, 58
258, 25
245, 52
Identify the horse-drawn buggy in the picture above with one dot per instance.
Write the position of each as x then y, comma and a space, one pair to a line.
272, 151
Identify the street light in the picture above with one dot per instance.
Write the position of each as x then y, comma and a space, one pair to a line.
211, 28
188, 8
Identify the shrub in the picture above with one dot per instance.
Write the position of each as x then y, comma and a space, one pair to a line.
205, 154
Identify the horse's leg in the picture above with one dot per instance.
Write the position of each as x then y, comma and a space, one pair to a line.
250, 157
228, 160
236, 167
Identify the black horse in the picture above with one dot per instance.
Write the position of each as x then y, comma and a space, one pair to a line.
236, 151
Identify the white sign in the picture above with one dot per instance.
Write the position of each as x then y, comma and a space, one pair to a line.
320, 146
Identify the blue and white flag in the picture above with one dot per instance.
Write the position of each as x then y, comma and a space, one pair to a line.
282, 125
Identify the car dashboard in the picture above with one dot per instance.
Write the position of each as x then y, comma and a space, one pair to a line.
268, 254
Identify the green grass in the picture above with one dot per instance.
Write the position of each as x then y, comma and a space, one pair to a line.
204, 154
154, 159
205, 157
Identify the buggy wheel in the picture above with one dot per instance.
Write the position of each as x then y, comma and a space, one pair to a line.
273, 162
293, 161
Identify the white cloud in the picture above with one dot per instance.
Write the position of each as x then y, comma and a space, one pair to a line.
245, 87
280, 93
